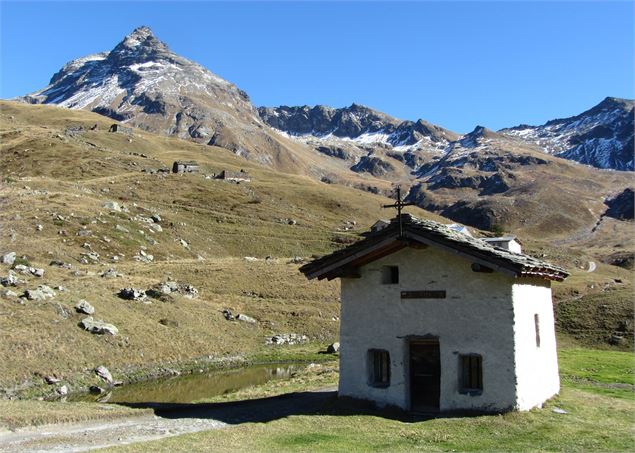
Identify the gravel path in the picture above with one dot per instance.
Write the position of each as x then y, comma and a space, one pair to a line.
169, 420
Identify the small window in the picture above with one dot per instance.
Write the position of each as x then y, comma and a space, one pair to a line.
379, 368
390, 275
476, 267
471, 374
537, 327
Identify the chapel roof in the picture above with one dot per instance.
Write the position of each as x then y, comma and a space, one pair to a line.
419, 232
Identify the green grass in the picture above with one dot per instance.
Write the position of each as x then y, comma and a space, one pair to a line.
595, 421
608, 373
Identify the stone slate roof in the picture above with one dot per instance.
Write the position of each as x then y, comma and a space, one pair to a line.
417, 232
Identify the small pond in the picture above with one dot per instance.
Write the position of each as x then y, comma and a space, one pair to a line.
193, 387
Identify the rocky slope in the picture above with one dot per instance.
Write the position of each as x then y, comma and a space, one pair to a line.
493, 181
368, 140
602, 136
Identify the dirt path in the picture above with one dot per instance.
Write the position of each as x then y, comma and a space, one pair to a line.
169, 420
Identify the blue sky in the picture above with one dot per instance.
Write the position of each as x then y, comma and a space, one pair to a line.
456, 64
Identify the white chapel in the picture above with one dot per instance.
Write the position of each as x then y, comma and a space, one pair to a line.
433, 319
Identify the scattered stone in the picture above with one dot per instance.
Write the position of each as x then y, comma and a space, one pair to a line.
84, 307
229, 316
89, 257
62, 391
61, 264
156, 227
296, 260
103, 373
144, 257
98, 327
95, 390
84, 233
616, 340
21, 268
287, 338
39, 227
10, 280
110, 273
245, 318
184, 243
36, 271
291, 222
7, 293
9, 258
112, 205
188, 291
557, 410
121, 228
61, 310
156, 218
42, 292
168, 322
251, 258
333, 348
50, 380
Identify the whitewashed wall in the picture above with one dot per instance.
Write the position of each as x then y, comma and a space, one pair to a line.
537, 367
476, 317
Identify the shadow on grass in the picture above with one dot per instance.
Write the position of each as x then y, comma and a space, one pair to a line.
262, 410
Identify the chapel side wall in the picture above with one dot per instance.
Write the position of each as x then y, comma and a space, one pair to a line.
536, 366
475, 317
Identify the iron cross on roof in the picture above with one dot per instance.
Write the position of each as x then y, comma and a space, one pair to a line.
399, 204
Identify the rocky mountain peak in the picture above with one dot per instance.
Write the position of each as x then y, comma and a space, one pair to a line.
140, 46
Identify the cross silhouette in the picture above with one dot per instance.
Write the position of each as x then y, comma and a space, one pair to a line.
399, 204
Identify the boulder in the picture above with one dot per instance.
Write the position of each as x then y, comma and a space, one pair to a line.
9, 258
21, 268
333, 348
96, 390
42, 292
98, 327
156, 218
84, 307
112, 205
132, 294
245, 318
103, 373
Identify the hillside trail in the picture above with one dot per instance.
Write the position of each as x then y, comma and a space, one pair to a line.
168, 420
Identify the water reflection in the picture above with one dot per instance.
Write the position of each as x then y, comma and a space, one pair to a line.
193, 387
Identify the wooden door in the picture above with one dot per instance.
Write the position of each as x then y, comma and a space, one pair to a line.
425, 375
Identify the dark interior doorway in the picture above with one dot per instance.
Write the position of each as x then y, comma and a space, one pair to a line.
425, 375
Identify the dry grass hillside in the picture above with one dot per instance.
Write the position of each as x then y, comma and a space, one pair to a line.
212, 234
234, 243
